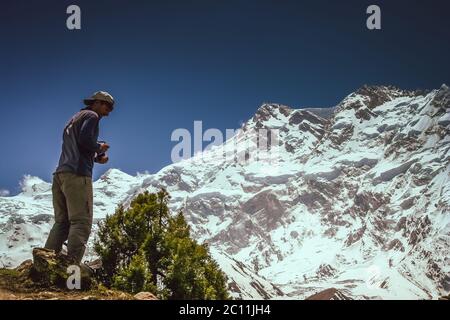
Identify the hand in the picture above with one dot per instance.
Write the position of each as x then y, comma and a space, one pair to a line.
104, 147
103, 160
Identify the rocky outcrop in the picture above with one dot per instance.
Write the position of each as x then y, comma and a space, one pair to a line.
45, 278
145, 296
329, 294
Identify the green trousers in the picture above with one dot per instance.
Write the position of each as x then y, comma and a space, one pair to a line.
73, 206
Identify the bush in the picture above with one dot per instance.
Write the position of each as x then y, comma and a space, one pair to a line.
145, 248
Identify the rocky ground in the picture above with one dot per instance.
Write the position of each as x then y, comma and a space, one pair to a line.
41, 279
15, 284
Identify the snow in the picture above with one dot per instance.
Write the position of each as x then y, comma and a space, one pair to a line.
239, 274
423, 124
370, 132
388, 171
445, 119
321, 170
33, 185
359, 159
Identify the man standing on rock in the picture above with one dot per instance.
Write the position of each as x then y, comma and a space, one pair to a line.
72, 180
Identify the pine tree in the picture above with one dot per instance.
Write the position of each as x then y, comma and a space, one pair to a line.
145, 248
135, 277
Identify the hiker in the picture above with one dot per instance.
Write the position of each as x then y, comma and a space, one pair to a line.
72, 180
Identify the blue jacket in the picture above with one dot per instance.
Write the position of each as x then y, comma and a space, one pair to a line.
80, 144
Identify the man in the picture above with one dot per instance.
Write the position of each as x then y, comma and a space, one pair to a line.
72, 180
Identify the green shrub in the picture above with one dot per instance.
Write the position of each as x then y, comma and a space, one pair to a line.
145, 248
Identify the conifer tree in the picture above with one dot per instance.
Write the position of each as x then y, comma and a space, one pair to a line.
145, 248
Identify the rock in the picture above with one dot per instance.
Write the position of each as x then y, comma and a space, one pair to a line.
396, 245
375, 95
143, 295
41, 218
25, 266
265, 207
51, 269
325, 271
47, 295
364, 113
445, 119
388, 174
422, 125
407, 203
123, 296
329, 294
16, 284
355, 236
299, 116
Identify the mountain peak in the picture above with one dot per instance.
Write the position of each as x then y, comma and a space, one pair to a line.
266, 112
273, 108
371, 96
389, 90
31, 185
115, 174
442, 97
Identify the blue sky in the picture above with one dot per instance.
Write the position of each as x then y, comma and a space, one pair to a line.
169, 63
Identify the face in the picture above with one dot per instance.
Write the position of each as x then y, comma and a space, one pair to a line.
102, 108
106, 109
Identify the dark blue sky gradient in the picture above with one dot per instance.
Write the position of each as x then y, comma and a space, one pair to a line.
169, 63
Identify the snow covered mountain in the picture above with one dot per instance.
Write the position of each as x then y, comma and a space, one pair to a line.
358, 199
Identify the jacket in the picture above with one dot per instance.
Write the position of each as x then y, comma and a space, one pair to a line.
80, 144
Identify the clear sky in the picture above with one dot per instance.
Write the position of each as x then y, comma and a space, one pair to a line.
169, 63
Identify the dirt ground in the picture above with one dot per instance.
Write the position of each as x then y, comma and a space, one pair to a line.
14, 286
